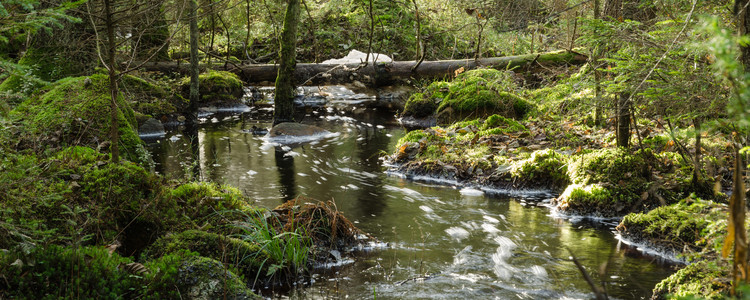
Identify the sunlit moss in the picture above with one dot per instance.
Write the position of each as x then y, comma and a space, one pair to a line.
476, 93
699, 280
545, 167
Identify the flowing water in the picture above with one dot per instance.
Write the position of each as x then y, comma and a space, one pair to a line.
437, 241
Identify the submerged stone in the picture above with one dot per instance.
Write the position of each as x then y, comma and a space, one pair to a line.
152, 127
295, 130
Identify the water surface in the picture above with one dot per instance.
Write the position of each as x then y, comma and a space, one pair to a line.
437, 241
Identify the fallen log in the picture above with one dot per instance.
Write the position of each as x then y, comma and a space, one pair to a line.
379, 73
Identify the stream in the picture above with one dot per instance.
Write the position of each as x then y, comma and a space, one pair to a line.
437, 241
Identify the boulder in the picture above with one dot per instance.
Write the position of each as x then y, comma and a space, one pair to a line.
152, 127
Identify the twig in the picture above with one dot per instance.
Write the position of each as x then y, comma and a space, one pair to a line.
600, 295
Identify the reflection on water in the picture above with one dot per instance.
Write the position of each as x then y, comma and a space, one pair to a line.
441, 243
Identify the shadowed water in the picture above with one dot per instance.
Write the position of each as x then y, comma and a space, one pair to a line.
437, 242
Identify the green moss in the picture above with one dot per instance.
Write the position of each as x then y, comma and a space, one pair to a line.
194, 277
704, 280
46, 64
476, 93
608, 182
419, 106
216, 86
209, 198
687, 223
55, 272
248, 258
545, 167
567, 97
76, 112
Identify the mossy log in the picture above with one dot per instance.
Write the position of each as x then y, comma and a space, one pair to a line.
381, 73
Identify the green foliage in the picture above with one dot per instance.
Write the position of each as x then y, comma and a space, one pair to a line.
56, 272
723, 45
287, 251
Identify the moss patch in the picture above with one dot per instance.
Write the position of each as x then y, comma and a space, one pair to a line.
473, 94
151, 97
76, 112
544, 167
248, 259
216, 87
608, 182
693, 223
705, 280
56, 272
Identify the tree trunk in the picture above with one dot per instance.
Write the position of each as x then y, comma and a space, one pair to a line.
311, 73
737, 218
741, 8
192, 118
598, 109
697, 180
623, 121
114, 133
284, 98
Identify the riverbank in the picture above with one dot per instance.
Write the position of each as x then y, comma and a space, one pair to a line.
77, 225
652, 187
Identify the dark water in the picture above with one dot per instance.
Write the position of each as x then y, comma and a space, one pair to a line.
438, 242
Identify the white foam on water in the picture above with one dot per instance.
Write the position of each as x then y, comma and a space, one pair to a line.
251, 172
426, 209
291, 154
471, 192
489, 228
287, 139
538, 272
491, 219
458, 233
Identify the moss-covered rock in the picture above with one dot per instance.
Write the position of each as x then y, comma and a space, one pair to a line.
203, 278
425, 104
216, 88
476, 93
203, 199
692, 223
151, 98
544, 167
608, 182
249, 259
76, 111
704, 280
42, 65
